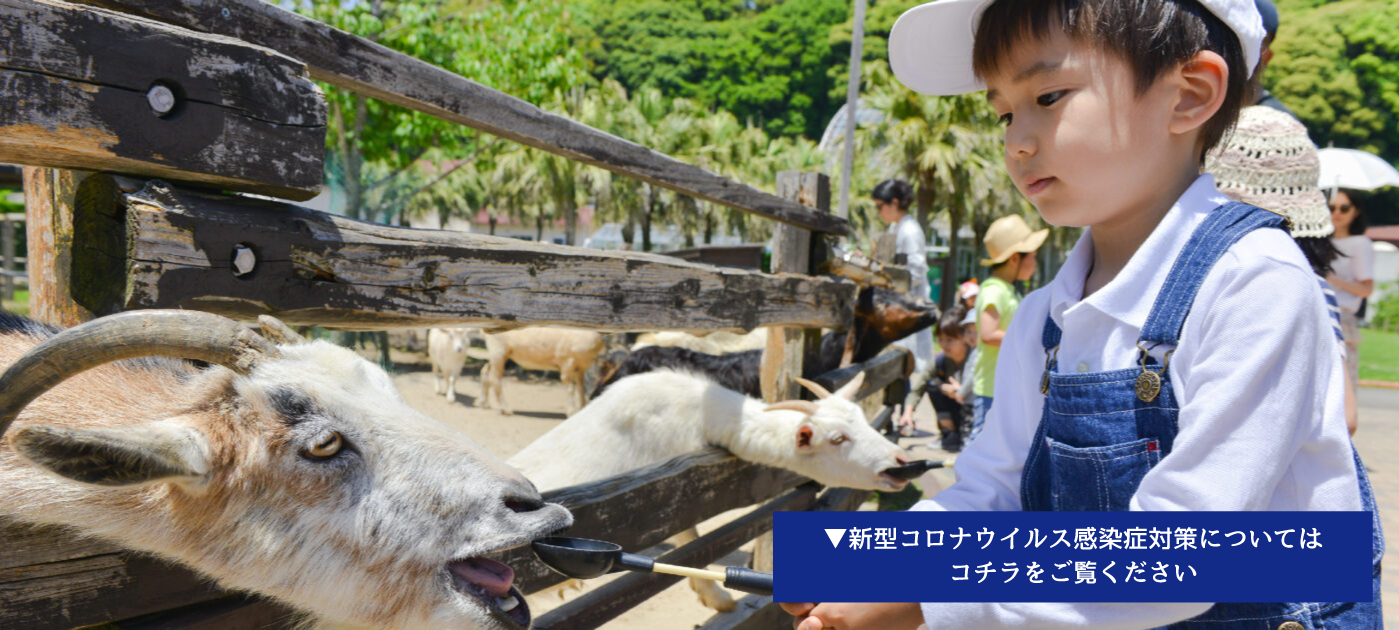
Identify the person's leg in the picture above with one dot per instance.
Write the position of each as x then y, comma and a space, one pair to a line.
980, 408
949, 426
1350, 329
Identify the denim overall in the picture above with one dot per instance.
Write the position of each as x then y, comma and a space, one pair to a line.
1102, 431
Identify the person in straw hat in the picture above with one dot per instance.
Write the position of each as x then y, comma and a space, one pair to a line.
1270, 162
1011, 245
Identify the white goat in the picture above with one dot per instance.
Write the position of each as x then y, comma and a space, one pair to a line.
565, 350
713, 343
648, 418
293, 470
446, 349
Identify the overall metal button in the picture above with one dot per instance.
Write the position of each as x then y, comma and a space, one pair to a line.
1291, 625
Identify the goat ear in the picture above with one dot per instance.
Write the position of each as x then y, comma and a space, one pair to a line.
849, 390
132, 455
804, 436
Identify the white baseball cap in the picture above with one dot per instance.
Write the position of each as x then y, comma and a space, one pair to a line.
930, 47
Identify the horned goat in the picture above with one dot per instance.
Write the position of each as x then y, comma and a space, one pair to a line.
290, 469
565, 350
649, 418
446, 350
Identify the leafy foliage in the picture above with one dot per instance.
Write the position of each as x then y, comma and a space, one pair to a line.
517, 47
766, 62
1336, 65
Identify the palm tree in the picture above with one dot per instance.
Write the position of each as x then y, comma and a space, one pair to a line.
950, 147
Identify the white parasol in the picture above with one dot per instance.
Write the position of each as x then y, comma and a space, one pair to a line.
1354, 169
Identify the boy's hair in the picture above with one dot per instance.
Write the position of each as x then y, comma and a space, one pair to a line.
1152, 36
950, 325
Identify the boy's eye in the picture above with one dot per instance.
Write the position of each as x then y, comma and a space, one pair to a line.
1005, 120
1045, 100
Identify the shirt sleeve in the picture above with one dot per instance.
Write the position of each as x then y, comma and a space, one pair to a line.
1260, 389
988, 478
988, 470
968, 376
1365, 261
912, 243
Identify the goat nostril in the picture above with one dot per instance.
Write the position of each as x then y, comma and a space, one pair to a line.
523, 505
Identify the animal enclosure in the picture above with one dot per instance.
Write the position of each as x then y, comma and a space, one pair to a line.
142, 123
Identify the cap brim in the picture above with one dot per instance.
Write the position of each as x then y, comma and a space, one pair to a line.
930, 47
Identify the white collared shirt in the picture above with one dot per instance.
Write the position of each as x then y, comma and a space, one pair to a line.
1256, 375
909, 240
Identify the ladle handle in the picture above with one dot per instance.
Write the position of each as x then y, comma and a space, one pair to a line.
748, 580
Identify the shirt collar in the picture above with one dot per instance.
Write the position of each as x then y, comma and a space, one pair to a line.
1130, 296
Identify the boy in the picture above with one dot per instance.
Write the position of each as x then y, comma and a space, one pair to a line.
941, 380
1011, 246
1223, 364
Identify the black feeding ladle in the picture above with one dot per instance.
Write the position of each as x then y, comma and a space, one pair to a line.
914, 469
585, 559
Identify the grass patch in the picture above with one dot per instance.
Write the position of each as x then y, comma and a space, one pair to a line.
19, 305
1379, 355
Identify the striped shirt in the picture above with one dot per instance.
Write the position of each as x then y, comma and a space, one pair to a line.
1334, 309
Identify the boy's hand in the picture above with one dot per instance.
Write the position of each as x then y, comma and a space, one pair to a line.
832, 616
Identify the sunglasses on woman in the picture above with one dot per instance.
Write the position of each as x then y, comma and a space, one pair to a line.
1345, 207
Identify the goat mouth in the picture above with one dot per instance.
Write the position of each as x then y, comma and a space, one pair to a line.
490, 583
894, 483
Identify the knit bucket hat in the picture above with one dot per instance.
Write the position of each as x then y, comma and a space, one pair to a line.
1011, 235
1271, 163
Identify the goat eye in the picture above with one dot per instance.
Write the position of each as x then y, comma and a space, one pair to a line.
326, 446
839, 439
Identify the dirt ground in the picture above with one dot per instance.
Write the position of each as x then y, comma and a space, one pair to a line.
538, 402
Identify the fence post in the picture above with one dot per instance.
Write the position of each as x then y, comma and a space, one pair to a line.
786, 346
50, 198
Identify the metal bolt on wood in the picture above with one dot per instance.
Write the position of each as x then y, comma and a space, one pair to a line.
161, 99
244, 260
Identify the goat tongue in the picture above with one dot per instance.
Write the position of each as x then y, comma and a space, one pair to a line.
490, 575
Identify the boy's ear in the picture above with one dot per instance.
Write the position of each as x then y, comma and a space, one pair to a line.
1203, 82
131, 455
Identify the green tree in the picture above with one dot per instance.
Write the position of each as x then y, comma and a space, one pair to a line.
766, 62
374, 147
1336, 65
951, 149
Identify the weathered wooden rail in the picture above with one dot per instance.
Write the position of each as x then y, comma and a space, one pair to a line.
135, 118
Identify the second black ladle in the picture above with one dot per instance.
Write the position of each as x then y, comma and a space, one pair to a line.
585, 559
914, 469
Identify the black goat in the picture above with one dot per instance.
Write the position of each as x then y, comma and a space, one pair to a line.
882, 316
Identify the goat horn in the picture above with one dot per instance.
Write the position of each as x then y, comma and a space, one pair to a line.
158, 333
274, 329
805, 406
820, 392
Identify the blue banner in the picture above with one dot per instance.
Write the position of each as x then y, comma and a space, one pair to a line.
1073, 556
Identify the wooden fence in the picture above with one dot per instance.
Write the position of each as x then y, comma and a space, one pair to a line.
139, 121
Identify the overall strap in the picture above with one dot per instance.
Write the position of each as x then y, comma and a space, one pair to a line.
1051, 335
1219, 231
